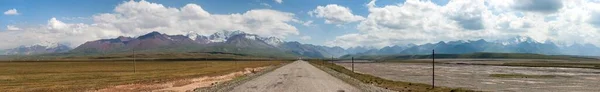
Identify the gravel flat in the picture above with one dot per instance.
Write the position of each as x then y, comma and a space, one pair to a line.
477, 77
298, 76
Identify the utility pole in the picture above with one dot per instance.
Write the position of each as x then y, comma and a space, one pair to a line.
433, 69
235, 62
331, 59
134, 63
352, 64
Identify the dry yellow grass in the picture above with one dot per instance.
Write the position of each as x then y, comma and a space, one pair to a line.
82, 76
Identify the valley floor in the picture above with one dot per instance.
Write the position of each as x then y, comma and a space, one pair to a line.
486, 77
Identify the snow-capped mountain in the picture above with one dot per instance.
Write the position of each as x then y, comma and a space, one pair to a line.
272, 40
222, 36
517, 40
225, 41
252, 44
37, 49
517, 44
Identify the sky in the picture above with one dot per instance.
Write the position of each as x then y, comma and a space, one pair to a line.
344, 23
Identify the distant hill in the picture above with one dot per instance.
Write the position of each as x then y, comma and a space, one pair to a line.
36, 49
481, 55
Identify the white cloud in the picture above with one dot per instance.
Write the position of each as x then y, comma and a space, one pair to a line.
305, 38
142, 17
335, 14
54, 32
279, 1
11, 12
418, 21
133, 18
308, 23
266, 5
74, 18
12, 28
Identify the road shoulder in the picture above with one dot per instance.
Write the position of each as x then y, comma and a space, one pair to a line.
354, 82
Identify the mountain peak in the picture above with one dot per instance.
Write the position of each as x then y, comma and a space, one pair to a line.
120, 37
272, 41
123, 38
192, 35
519, 39
229, 33
222, 36
151, 34
441, 42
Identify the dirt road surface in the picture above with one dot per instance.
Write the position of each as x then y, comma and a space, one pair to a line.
298, 76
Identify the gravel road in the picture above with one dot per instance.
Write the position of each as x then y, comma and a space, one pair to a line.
298, 76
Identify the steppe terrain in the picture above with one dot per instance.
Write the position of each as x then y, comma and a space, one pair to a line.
491, 75
113, 75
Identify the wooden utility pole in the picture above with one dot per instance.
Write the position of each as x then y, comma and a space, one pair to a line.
352, 64
331, 59
433, 69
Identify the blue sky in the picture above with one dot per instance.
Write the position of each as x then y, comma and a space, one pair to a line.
80, 11
386, 23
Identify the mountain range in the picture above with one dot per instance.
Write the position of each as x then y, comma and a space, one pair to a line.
254, 45
225, 41
517, 44
36, 49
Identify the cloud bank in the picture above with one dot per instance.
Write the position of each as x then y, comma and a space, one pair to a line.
422, 21
335, 14
133, 18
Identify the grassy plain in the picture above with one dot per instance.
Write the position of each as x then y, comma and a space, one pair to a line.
87, 75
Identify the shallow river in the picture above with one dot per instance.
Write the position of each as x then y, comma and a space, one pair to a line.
477, 77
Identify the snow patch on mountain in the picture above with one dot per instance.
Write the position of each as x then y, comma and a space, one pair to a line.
251, 37
46, 44
517, 40
223, 35
192, 36
272, 41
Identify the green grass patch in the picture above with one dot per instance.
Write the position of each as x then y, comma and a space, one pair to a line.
388, 84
